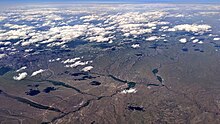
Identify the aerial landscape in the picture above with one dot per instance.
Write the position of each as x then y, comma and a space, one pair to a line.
109, 63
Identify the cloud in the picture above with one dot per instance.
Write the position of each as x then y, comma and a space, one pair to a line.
135, 23
200, 42
2, 56
20, 76
216, 38
208, 13
52, 27
183, 40
16, 32
87, 68
54, 17
57, 27
70, 60
89, 18
2, 18
131, 90
72, 63
5, 43
135, 45
37, 72
191, 28
98, 39
53, 60
78, 63
22, 68
152, 38
195, 41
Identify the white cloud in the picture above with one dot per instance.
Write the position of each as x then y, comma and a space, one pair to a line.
71, 60
22, 68
209, 13
51, 27
56, 36
78, 63
195, 40
16, 32
57, 59
191, 28
200, 42
2, 56
135, 45
183, 40
37, 72
216, 38
28, 50
2, 18
54, 17
5, 43
192, 38
60, 31
136, 23
20, 76
90, 18
152, 38
98, 39
131, 90
164, 27
87, 68
15, 26
179, 15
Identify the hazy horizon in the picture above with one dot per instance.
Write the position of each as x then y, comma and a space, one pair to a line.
109, 1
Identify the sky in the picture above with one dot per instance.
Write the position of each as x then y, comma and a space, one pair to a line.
111, 1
